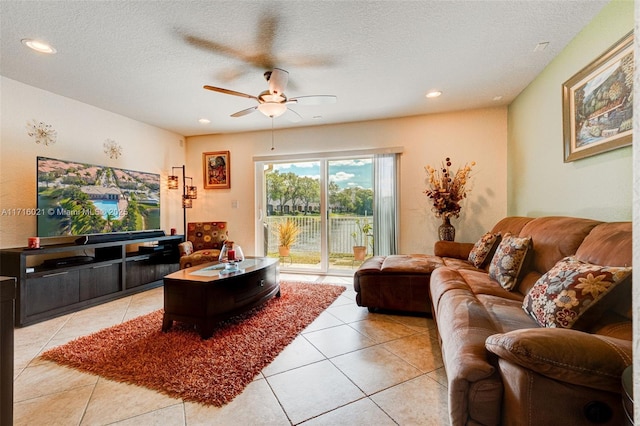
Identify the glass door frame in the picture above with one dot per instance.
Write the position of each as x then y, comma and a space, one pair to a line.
323, 158
261, 212
261, 208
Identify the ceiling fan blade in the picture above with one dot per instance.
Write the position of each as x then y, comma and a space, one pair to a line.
309, 61
267, 31
261, 60
230, 74
314, 100
278, 81
213, 46
244, 112
230, 92
292, 116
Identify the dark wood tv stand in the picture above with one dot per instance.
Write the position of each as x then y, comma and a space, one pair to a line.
114, 269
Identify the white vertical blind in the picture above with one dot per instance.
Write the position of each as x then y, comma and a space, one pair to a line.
385, 203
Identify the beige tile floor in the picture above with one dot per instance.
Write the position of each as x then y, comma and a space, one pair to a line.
349, 367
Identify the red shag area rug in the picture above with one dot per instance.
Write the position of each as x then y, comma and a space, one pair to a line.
180, 364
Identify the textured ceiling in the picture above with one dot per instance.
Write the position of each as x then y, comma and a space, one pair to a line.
148, 60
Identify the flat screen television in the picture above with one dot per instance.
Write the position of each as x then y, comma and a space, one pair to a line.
76, 198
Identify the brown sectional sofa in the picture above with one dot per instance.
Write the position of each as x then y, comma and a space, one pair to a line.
502, 367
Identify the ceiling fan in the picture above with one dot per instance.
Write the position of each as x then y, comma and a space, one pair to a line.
273, 102
260, 54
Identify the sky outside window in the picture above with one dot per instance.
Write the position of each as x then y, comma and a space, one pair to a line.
345, 173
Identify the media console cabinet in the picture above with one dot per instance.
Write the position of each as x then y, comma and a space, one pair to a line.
63, 278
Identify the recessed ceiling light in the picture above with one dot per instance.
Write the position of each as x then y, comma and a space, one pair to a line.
38, 45
204, 121
434, 94
497, 98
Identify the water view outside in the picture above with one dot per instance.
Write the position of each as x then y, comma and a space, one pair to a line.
294, 194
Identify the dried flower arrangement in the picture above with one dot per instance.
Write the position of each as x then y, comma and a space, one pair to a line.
446, 189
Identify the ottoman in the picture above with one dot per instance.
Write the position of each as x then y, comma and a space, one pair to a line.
396, 282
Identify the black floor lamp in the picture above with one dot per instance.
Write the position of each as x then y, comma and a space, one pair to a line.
189, 193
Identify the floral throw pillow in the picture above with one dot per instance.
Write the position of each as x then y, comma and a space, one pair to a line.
508, 260
483, 249
571, 288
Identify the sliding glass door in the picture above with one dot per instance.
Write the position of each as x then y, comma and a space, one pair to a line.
350, 212
293, 215
320, 210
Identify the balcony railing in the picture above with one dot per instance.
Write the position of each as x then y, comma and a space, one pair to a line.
308, 242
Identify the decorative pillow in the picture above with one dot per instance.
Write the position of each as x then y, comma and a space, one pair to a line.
484, 249
571, 288
508, 260
185, 248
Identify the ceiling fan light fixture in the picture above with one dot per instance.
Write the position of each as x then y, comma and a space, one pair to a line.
272, 109
267, 96
273, 102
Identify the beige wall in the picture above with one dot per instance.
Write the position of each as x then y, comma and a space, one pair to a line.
540, 183
82, 130
476, 135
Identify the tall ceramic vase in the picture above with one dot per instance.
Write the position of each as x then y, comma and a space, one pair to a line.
446, 231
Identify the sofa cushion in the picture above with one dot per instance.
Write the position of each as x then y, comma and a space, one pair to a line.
566, 355
511, 225
509, 259
413, 264
480, 284
569, 290
608, 244
554, 238
506, 314
452, 249
483, 250
199, 257
207, 235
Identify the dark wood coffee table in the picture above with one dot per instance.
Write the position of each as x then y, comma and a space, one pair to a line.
202, 296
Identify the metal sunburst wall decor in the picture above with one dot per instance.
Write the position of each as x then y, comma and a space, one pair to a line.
42, 132
112, 148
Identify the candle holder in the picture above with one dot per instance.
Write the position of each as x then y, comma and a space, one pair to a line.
231, 255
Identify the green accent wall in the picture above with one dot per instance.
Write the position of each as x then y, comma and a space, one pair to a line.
539, 182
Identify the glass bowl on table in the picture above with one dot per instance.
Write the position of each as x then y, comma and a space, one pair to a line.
231, 255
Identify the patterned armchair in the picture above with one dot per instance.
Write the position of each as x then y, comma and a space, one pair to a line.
203, 244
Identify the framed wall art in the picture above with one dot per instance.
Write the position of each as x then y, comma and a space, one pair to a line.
217, 169
597, 104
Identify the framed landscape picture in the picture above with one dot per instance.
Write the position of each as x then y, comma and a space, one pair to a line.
597, 104
217, 169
